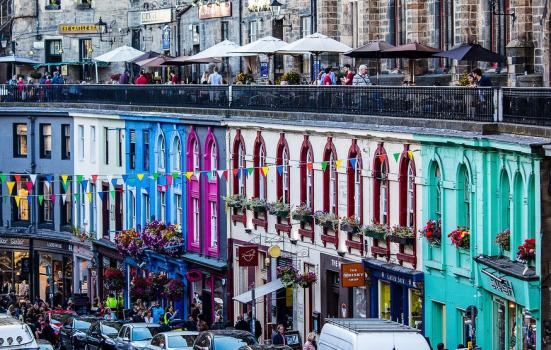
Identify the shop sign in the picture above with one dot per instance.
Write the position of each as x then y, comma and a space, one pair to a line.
52, 245
156, 16
78, 28
14, 242
396, 279
248, 255
215, 10
165, 38
352, 275
500, 284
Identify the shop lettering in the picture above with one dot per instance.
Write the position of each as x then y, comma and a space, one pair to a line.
84, 28
396, 279
156, 16
54, 245
12, 241
502, 285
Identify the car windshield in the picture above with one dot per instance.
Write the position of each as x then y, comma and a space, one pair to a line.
82, 325
176, 341
233, 342
143, 333
60, 318
110, 328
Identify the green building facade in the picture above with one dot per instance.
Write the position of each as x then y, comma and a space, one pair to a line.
485, 185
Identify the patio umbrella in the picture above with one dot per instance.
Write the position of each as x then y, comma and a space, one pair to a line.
267, 46
17, 60
120, 54
220, 50
374, 50
411, 51
315, 44
146, 55
154, 61
471, 52
185, 60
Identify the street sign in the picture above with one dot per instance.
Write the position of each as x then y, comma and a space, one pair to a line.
248, 255
352, 275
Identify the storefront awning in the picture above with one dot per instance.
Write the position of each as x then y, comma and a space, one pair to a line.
393, 272
70, 63
204, 261
259, 292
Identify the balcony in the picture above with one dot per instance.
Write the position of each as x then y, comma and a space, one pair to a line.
527, 106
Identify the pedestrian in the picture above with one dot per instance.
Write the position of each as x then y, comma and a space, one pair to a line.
279, 337
257, 326
348, 75
124, 77
173, 78
141, 79
202, 325
58, 78
47, 332
157, 311
205, 78
440, 346
215, 78
481, 80
147, 317
241, 324
361, 78
326, 76
310, 343
11, 82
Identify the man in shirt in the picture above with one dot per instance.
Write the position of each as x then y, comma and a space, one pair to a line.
279, 337
361, 78
215, 78
481, 80
348, 75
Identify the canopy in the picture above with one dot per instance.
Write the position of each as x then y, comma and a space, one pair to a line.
69, 63
471, 52
146, 55
315, 43
267, 45
154, 61
17, 60
183, 60
412, 51
259, 292
220, 50
120, 54
373, 49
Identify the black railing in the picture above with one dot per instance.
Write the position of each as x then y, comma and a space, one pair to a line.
513, 105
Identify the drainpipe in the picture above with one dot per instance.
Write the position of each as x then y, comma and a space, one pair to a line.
240, 33
34, 216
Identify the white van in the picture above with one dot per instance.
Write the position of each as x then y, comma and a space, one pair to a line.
369, 334
15, 335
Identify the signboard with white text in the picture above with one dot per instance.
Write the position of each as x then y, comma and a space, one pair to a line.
156, 16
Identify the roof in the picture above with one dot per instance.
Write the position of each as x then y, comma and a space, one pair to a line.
171, 333
230, 332
143, 324
364, 325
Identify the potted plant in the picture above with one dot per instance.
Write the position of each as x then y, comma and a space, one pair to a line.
80, 233
326, 220
460, 237
303, 213
402, 235
129, 242
503, 240
279, 209
526, 252
432, 232
306, 280
244, 78
113, 279
350, 224
174, 289
376, 231
288, 275
258, 205
235, 201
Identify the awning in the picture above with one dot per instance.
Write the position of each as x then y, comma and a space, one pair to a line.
70, 63
201, 260
259, 292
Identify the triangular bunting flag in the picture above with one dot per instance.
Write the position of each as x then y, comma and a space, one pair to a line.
280, 169
125, 178
235, 172
324, 165
47, 184
381, 157
66, 186
220, 173
197, 175
84, 184
17, 178
160, 188
49, 178
89, 196
101, 194
338, 163
175, 175
310, 166
250, 171
29, 186
353, 163
239, 173
63, 198
410, 154
64, 179
211, 175
33, 178
189, 174
40, 199
112, 193
80, 178
3, 177
140, 176
17, 199
396, 156
168, 179
265, 170
77, 197
155, 176
10, 185
94, 178
114, 182
53, 198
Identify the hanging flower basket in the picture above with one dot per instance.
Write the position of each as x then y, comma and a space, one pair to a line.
326, 220
140, 288
503, 240
303, 213
194, 276
288, 275
279, 209
258, 205
113, 279
129, 242
81, 234
526, 252
157, 284
162, 238
236, 201
376, 231
432, 232
350, 224
402, 235
174, 289
306, 280
460, 237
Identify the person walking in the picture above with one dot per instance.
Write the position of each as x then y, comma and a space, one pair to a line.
279, 337
310, 343
241, 324
157, 312
257, 326
361, 78
47, 332
141, 79
348, 75
215, 78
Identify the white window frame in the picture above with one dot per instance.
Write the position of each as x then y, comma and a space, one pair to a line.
178, 208
213, 157
383, 183
410, 196
332, 184
241, 165
262, 183
195, 218
132, 214
161, 152
162, 206
285, 176
213, 224
93, 207
81, 142
195, 156
92, 143
47, 206
177, 155
358, 189
309, 179
146, 208
82, 204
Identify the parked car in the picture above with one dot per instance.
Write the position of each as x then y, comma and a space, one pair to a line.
173, 341
72, 335
102, 334
135, 336
355, 333
44, 345
15, 335
57, 319
266, 347
223, 340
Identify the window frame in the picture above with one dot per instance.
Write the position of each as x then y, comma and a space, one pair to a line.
259, 161
20, 141
45, 153
330, 179
80, 142
354, 183
92, 143
161, 152
283, 179
65, 141
132, 148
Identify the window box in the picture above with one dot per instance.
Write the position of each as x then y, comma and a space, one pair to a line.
84, 6
279, 209
257, 205
53, 7
327, 221
401, 240
303, 214
236, 202
376, 231
350, 227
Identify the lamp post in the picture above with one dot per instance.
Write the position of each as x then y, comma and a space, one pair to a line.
275, 9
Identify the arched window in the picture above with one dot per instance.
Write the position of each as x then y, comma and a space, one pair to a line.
282, 161
505, 202
464, 198
330, 178
211, 204
307, 174
177, 154
410, 202
531, 209
193, 193
259, 160
213, 157
406, 184
435, 193
355, 182
161, 152
239, 165
518, 224
196, 156
381, 204
383, 194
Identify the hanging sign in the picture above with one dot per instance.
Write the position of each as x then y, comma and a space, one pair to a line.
352, 275
248, 255
215, 10
156, 16
165, 38
263, 69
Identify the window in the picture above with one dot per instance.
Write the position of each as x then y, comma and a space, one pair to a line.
213, 224
178, 214
132, 154
145, 150
332, 184
464, 198
330, 179
145, 209
54, 48
213, 157
307, 173
177, 155
66, 141
46, 141
305, 26
436, 192
410, 202
224, 30
93, 207
20, 140
195, 219
282, 161
161, 152
397, 23
47, 207
66, 203
196, 35
132, 214
380, 187
119, 146
195, 162
259, 160
106, 144
253, 26
82, 205
53, 5
86, 48
93, 144
162, 206
500, 27
285, 176
194, 191
81, 142
239, 164
444, 24
383, 195
22, 210
354, 180
505, 202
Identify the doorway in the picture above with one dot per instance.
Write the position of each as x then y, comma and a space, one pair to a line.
332, 294
397, 303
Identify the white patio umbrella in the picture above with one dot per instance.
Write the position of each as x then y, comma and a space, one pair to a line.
264, 46
220, 50
315, 44
120, 54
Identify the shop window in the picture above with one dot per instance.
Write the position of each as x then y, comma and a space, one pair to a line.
19, 140
84, 4
54, 48
463, 198
193, 191
415, 308
66, 141
53, 5
106, 145
81, 142
355, 181
178, 214
45, 141
21, 210
161, 152
283, 179
132, 151
177, 154
14, 276
384, 300
66, 203
145, 136
92, 144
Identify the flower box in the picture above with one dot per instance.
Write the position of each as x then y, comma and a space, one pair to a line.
503, 240
326, 220
460, 237
279, 209
376, 231
257, 205
306, 219
401, 240
350, 224
401, 235
527, 251
432, 232
303, 213
235, 201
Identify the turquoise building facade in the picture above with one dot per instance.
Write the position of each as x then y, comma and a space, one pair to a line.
485, 185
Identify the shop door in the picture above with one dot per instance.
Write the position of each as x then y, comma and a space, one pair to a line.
499, 324
397, 303
332, 294
105, 209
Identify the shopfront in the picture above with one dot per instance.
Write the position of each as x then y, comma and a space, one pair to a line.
82, 265
105, 256
396, 292
15, 267
337, 301
54, 273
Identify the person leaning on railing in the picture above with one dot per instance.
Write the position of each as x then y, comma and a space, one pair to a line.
361, 78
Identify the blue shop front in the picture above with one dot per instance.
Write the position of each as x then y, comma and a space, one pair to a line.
396, 292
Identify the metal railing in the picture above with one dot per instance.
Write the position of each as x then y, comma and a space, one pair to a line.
512, 105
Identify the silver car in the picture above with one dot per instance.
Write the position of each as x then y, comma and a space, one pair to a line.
136, 336
181, 340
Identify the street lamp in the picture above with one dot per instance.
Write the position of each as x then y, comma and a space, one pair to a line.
275, 8
101, 28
